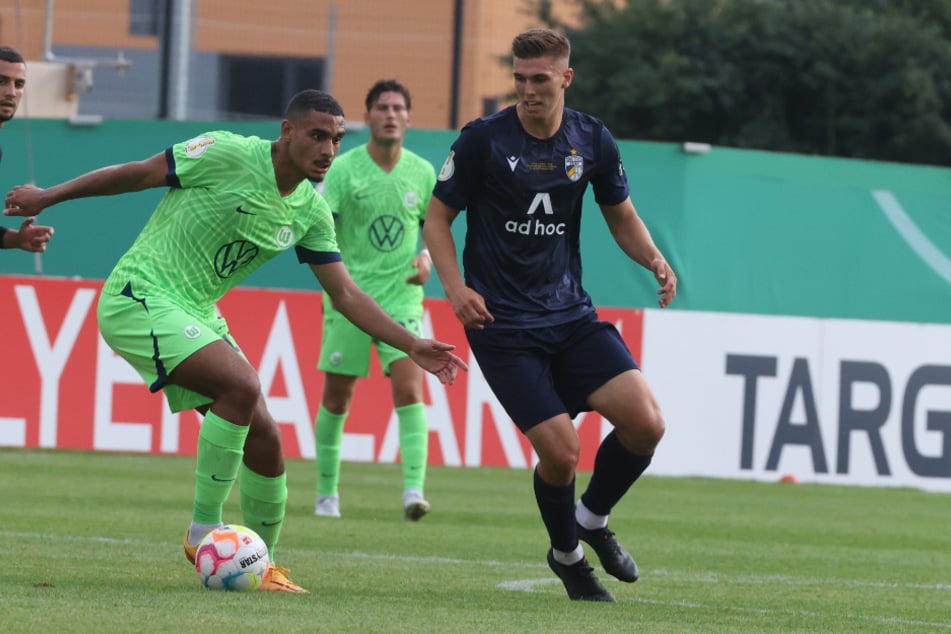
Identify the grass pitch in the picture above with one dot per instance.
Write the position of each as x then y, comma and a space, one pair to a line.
93, 544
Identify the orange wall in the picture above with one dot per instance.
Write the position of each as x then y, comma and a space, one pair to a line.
373, 39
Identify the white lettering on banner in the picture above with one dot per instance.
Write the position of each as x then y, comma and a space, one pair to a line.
478, 395
111, 370
171, 429
291, 409
51, 358
12, 432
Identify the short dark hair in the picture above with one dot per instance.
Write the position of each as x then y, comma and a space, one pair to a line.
311, 99
387, 85
535, 43
7, 54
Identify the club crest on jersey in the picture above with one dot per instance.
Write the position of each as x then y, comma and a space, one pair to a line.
574, 166
284, 237
410, 199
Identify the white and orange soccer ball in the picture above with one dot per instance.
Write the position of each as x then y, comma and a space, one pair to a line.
232, 557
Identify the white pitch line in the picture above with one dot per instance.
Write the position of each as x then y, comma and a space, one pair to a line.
531, 585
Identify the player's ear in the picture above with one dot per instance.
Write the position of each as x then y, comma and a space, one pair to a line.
567, 77
286, 129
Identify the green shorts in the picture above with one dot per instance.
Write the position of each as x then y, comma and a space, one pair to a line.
154, 335
345, 349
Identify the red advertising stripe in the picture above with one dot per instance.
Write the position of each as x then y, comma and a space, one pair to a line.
62, 387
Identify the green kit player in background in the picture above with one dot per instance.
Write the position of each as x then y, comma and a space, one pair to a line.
233, 203
378, 193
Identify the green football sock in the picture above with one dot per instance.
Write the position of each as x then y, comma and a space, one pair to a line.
220, 448
263, 504
414, 444
328, 432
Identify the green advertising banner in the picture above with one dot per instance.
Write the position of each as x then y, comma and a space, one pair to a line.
746, 231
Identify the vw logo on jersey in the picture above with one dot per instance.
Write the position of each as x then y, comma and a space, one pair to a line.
232, 256
574, 166
386, 233
284, 237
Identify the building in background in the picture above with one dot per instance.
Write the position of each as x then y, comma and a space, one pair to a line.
240, 59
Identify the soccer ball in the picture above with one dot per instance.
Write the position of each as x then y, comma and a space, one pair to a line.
232, 557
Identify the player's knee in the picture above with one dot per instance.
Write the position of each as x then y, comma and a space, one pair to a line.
654, 427
560, 463
244, 392
642, 433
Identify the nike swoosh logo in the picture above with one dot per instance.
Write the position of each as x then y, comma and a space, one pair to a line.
271, 523
243, 211
217, 479
361, 196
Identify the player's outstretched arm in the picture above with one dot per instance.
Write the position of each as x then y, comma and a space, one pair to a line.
431, 355
30, 200
632, 235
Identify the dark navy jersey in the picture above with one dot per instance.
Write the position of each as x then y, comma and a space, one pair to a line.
523, 199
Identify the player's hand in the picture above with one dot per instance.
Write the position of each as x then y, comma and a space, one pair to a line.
470, 308
437, 357
667, 279
24, 200
33, 237
424, 266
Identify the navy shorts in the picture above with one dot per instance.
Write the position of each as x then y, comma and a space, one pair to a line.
540, 373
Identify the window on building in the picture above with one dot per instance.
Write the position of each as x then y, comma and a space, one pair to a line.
145, 16
262, 86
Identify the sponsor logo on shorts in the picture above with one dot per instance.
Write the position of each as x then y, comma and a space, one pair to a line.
192, 332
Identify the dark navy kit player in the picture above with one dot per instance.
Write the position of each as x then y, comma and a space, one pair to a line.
521, 175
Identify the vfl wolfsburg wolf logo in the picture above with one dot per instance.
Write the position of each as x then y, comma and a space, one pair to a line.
233, 256
386, 233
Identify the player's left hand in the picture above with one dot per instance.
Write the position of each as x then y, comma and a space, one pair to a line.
437, 357
33, 237
667, 279
423, 265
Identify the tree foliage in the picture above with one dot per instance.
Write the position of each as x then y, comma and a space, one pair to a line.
853, 78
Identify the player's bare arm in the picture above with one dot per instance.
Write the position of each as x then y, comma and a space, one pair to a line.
29, 200
632, 235
431, 355
468, 305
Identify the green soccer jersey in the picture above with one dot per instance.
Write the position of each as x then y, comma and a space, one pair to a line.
221, 219
377, 216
